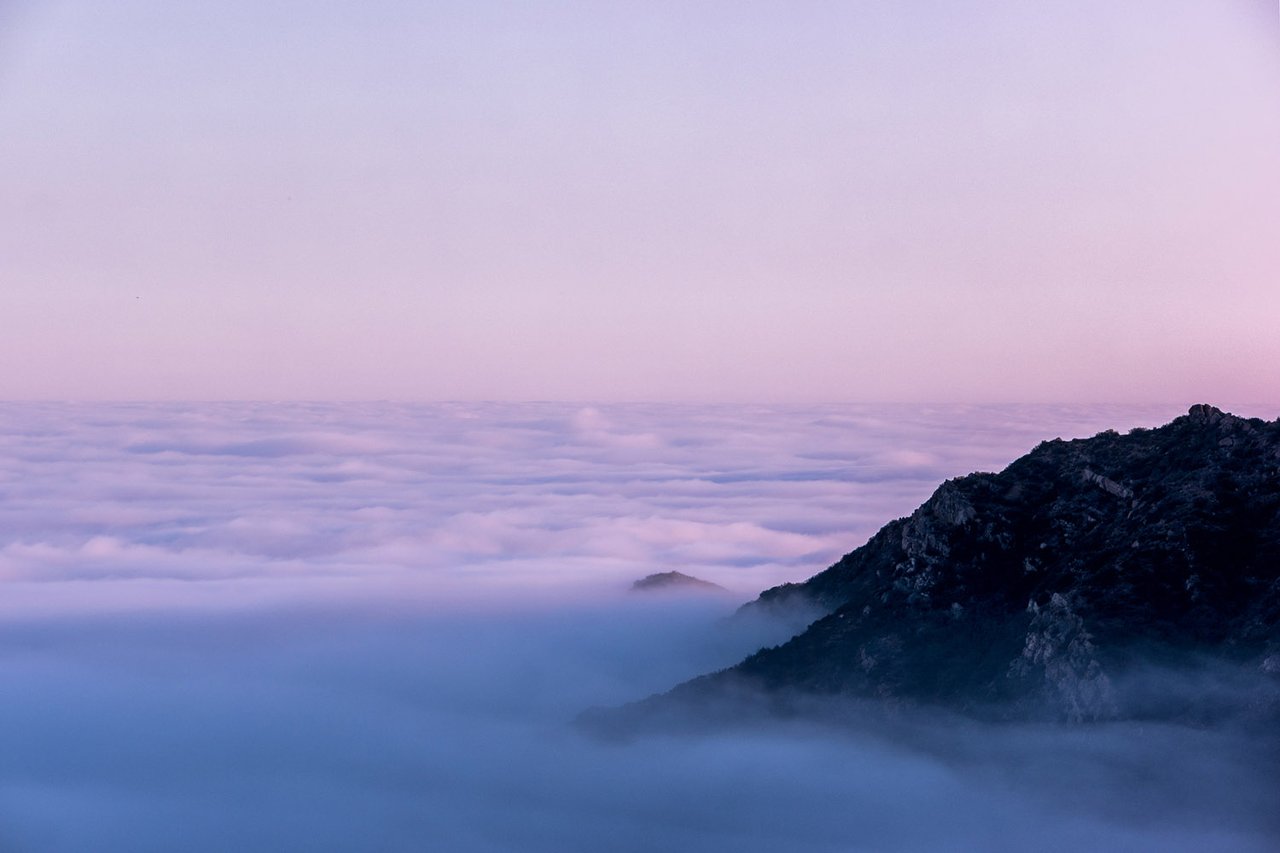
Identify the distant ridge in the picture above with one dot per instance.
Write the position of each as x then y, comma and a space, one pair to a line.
1047, 589
674, 581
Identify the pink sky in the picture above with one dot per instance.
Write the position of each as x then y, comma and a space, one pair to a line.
656, 201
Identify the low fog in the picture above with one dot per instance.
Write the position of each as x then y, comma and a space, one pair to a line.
321, 730
370, 628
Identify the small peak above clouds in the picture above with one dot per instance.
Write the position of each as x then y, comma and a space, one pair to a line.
675, 582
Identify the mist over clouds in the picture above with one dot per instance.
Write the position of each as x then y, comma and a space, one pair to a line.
356, 627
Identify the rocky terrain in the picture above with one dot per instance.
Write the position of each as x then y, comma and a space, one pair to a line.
1119, 576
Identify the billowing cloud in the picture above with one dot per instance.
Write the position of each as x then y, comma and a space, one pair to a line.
401, 495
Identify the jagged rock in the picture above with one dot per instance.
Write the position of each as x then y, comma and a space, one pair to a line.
1038, 589
1059, 649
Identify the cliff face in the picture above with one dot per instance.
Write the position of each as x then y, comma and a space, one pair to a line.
1037, 589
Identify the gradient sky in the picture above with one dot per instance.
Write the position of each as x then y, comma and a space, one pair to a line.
648, 201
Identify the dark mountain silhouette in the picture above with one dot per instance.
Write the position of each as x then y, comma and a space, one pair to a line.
1119, 576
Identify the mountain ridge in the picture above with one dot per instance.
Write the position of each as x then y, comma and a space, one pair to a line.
1037, 591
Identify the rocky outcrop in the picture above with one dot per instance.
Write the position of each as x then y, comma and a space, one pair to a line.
1040, 589
1060, 654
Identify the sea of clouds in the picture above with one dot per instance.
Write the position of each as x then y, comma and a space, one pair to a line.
369, 626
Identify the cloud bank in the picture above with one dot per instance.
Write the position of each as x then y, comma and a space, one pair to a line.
356, 627
435, 502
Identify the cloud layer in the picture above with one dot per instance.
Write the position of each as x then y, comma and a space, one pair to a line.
439, 501
355, 627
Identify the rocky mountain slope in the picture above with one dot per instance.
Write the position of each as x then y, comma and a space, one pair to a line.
1050, 588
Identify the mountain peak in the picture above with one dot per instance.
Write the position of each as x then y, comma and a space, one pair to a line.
674, 581
1042, 589
1203, 414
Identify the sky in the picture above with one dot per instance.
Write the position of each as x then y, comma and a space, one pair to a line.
659, 201
341, 627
